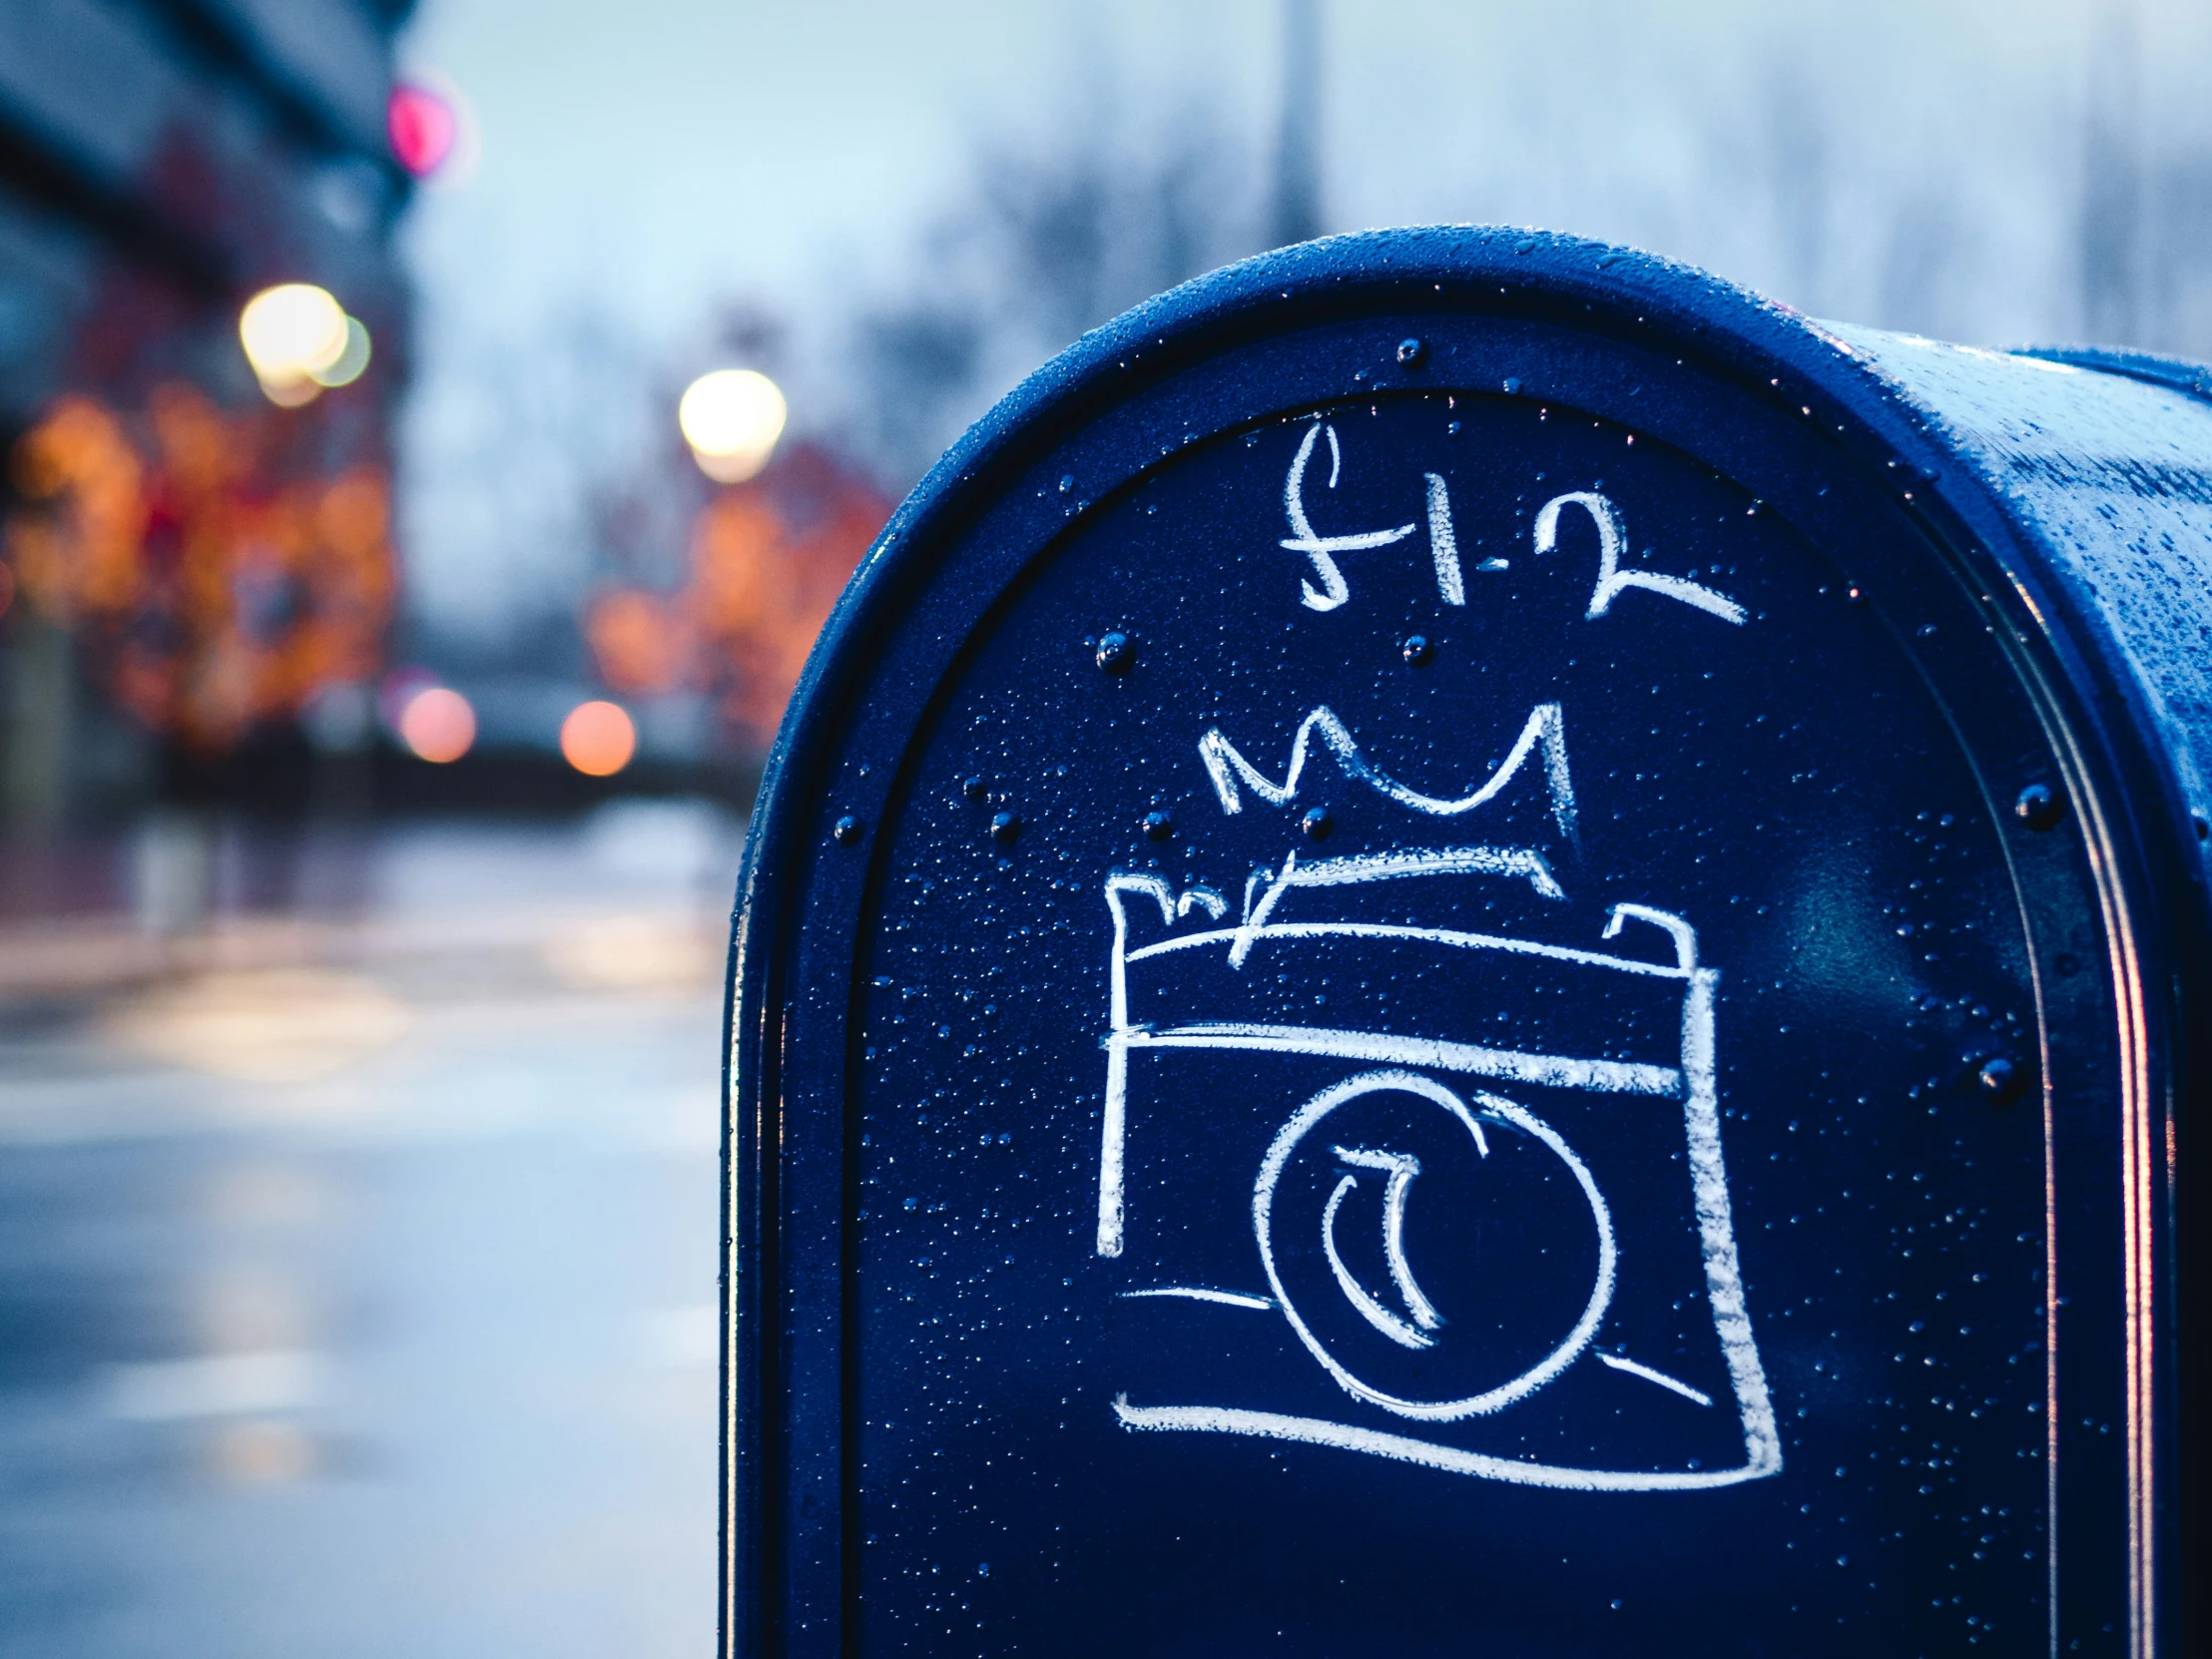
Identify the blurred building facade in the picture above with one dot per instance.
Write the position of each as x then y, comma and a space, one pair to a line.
190, 568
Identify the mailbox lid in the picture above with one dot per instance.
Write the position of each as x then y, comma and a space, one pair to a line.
2104, 460
925, 1023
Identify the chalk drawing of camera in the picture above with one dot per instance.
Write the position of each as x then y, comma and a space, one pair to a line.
1449, 1196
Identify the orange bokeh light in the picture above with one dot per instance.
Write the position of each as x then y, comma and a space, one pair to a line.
769, 558
598, 738
212, 585
439, 725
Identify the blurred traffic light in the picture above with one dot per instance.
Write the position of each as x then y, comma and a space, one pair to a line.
424, 127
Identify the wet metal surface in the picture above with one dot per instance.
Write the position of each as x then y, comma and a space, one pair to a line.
357, 1212
1679, 724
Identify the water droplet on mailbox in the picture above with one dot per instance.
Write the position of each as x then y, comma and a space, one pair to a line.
2039, 807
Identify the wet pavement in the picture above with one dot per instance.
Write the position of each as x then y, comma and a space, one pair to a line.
358, 1221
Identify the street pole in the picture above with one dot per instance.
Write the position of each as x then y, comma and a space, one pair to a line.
1297, 215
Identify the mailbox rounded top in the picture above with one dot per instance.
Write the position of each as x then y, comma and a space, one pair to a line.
2058, 475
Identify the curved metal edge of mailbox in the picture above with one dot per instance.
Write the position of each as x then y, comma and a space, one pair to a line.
2103, 459
2096, 679
2069, 442
2181, 373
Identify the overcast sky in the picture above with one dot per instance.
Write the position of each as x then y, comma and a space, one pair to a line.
644, 164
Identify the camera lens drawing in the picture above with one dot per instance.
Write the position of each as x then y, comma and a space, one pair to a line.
1419, 1325
1402, 1167
1445, 1254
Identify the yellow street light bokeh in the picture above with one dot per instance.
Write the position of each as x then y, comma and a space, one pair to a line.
352, 362
731, 419
300, 341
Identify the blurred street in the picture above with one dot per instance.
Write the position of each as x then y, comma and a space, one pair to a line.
358, 1220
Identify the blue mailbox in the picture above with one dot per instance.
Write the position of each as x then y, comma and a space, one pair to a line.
1466, 945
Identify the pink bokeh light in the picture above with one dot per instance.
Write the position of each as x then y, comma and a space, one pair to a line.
424, 128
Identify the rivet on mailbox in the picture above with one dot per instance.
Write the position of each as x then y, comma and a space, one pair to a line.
1501, 1159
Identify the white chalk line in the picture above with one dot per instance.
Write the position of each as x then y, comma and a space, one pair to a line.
1112, 1129
1273, 1426
1427, 1088
1658, 1376
1612, 581
1683, 934
1444, 545
1548, 1070
1401, 1168
1543, 732
1364, 869
1364, 1305
1517, 864
1724, 1285
1194, 1292
1423, 935
1201, 898
1333, 591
